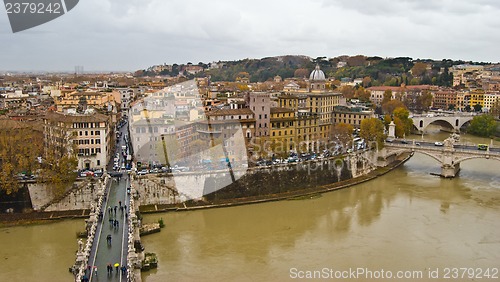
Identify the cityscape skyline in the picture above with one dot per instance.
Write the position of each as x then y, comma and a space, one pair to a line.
130, 35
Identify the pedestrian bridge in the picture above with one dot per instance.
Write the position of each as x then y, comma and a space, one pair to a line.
452, 122
449, 155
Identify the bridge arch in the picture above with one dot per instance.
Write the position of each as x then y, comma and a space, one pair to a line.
460, 160
409, 150
450, 122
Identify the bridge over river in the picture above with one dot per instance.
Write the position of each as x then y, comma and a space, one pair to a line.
448, 154
452, 122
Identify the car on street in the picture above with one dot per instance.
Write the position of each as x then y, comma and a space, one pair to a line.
439, 144
177, 168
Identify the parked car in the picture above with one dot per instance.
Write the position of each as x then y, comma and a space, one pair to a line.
86, 173
439, 144
142, 172
177, 168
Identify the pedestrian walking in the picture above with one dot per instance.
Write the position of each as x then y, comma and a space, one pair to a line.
120, 203
115, 209
124, 270
117, 266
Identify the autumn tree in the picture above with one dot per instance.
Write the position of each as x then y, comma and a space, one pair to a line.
367, 82
301, 73
389, 107
372, 130
341, 132
403, 122
495, 109
59, 162
424, 101
19, 148
387, 96
419, 69
356, 61
362, 94
347, 91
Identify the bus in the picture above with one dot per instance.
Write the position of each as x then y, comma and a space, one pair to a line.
482, 147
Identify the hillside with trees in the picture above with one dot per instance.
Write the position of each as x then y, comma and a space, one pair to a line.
374, 71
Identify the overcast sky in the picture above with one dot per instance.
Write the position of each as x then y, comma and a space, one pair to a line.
134, 34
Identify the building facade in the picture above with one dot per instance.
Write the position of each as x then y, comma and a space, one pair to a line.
89, 134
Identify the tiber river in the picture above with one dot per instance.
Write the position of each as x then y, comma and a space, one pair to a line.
405, 221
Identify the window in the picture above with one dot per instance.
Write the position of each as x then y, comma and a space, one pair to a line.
86, 133
98, 141
97, 132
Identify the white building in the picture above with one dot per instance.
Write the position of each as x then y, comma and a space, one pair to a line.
90, 134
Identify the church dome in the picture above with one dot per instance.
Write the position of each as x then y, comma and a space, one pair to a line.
317, 74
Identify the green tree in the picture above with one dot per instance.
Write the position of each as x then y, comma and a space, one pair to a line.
372, 130
477, 108
482, 125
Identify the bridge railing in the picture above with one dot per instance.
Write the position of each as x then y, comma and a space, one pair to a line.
83, 256
440, 148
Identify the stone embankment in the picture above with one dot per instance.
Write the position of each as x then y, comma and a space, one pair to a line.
265, 184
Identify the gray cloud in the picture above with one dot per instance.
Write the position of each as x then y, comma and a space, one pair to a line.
132, 34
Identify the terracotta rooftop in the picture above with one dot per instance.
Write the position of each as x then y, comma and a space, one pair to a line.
227, 112
95, 117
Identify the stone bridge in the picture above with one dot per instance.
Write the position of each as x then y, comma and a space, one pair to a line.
452, 122
449, 155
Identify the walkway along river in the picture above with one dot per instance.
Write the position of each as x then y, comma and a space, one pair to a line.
405, 220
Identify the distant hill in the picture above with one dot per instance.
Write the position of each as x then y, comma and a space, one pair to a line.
381, 71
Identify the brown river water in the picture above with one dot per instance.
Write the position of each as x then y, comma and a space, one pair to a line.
406, 222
